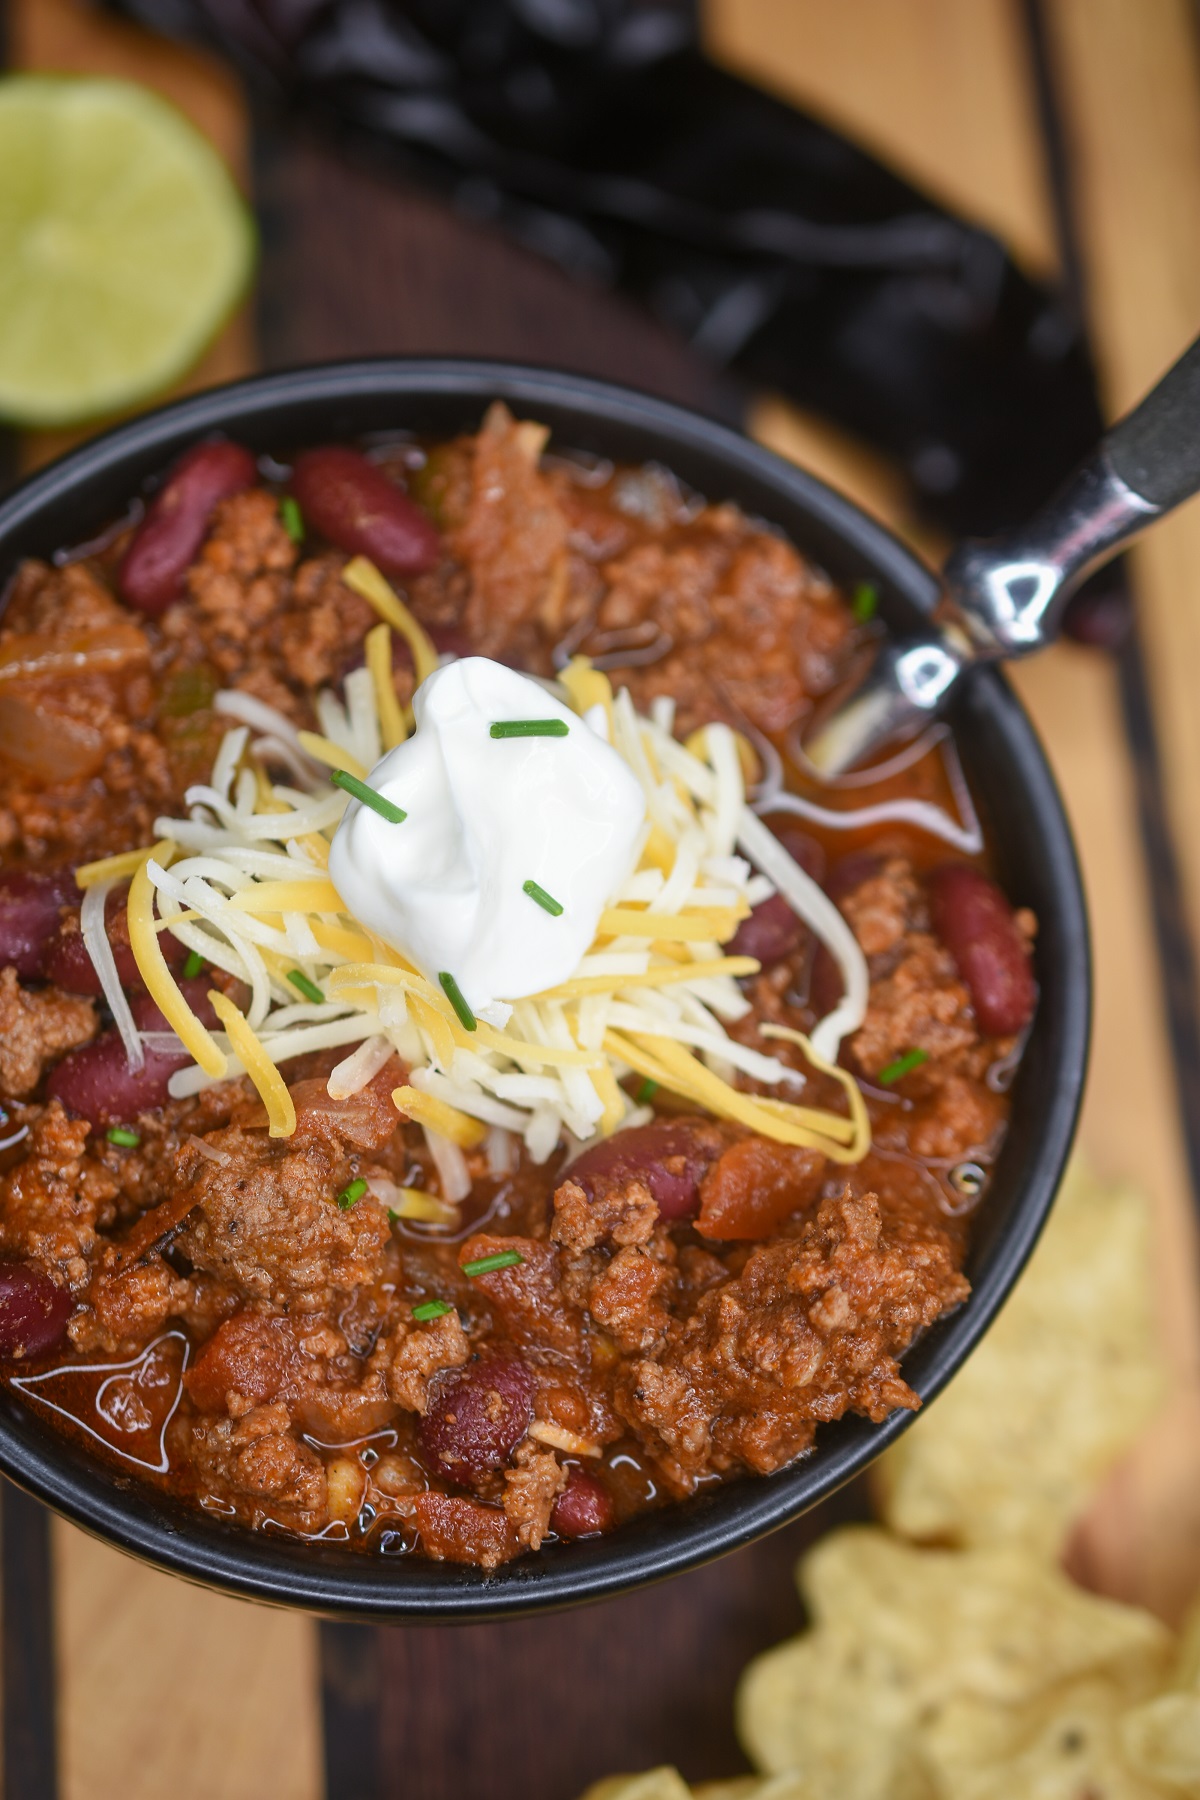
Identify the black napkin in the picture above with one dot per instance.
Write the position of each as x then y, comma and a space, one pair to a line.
597, 133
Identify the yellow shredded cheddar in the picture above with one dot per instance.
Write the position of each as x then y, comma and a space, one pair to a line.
436, 1026
152, 967
323, 750
272, 1088
674, 1067
111, 868
427, 1109
859, 1118
342, 940
696, 926
587, 687
364, 578
415, 1203
579, 985
605, 1084
379, 661
317, 895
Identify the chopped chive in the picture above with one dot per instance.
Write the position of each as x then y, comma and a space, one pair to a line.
865, 602
500, 1259
453, 994
912, 1059
309, 989
293, 518
546, 901
350, 1196
395, 815
507, 728
646, 1091
193, 965
431, 1309
121, 1134
393, 1216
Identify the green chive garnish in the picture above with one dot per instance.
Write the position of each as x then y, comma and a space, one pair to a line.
430, 1309
394, 1217
121, 1134
502, 1259
646, 1091
395, 815
293, 518
193, 965
912, 1059
309, 989
505, 728
350, 1196
865, 601
453, 994
546, 901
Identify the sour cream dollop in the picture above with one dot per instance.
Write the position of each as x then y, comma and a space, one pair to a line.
485, 815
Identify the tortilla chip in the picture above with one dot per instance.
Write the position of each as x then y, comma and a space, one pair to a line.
1065, 1380
1161, 1740
899, 1633
1063, 1745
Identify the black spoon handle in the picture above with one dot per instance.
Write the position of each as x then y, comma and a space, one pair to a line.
1155, 449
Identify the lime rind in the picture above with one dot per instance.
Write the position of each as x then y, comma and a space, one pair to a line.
124, 246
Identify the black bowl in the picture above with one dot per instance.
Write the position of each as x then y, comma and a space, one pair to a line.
78, 496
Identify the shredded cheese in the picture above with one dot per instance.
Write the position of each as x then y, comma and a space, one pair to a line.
242, 882
152, 967
392, 728
426, 1109
272, 1089
334, 756
111, 868
364, 578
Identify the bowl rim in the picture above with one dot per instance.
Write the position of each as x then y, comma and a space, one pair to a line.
338, 1582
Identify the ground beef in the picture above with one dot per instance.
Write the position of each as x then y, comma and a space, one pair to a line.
53, 1200
265, 1472
268, 1221
512, 540
917, 1000
531, 1487
35, 1027
811, 1328
413, 1356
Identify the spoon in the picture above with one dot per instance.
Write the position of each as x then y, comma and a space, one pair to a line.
1005, 597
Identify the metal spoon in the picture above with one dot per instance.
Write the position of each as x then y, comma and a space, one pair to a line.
1005, 597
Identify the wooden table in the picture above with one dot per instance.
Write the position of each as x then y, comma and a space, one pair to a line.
1073, 128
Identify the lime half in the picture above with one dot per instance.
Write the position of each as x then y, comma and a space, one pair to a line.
123, 246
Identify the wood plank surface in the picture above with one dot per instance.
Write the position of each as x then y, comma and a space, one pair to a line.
356, 263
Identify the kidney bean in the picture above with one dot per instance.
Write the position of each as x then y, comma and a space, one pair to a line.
166, 541
33, 1311
30, 902
584, 1508
68, 964
670, 1157
800, 846
976, 924
772, 932
97, 1083
851, 872
353, 503
477, 1418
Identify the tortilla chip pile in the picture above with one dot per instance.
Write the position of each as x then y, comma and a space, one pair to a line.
948, 1657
